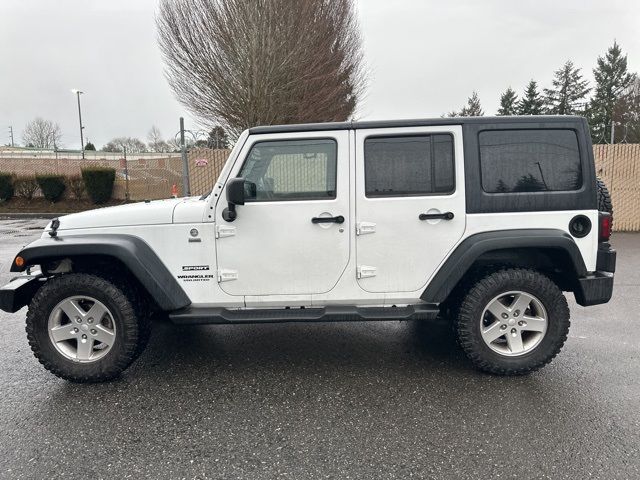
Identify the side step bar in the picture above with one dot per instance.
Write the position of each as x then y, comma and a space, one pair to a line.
217, 315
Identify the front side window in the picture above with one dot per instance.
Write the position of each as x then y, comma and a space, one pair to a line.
529, 160
292, 169
409, 165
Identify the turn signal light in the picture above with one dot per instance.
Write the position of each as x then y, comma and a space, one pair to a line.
605, 227
19, 261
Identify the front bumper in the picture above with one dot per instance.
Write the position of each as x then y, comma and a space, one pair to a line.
597, 287
19, 292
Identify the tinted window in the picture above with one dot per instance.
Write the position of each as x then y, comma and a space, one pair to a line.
529, 160
292, 169
416, 165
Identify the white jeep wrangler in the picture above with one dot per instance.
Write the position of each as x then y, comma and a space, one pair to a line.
484, 220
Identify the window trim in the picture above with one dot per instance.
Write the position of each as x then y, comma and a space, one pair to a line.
300, 199
412, 135
534, 192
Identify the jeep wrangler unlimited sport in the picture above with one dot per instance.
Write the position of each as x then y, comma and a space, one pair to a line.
484, 220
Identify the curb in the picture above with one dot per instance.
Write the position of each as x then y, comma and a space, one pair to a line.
18, 215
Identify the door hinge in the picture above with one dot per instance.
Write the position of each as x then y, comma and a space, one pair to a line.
225, 275
364, 271
225, 231
362, 228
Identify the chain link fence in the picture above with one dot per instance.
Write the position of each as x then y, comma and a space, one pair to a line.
619, 167
205, 165
146, 176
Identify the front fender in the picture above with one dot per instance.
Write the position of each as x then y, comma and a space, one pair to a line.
133, 252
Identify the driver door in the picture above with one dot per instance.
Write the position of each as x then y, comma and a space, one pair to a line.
276, 245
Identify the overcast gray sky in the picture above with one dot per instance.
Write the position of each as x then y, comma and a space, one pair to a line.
425, 57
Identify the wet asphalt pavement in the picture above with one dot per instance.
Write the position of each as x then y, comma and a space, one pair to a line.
344, 401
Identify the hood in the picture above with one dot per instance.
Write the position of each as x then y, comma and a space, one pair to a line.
143, 213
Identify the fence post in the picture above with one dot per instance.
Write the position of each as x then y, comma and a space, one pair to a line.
186, 191
126, 174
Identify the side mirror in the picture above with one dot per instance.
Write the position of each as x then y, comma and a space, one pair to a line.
235, 191
238, 190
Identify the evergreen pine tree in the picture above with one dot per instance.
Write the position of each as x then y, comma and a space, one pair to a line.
531, 103
508, 103
626, 114
471, 109
567, 97
612, 78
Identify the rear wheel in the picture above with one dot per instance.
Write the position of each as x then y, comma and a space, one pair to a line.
513, 322
83, 328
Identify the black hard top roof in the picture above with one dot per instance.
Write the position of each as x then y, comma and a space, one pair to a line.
421, 122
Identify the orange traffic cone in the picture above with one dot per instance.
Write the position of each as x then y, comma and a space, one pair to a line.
174, 191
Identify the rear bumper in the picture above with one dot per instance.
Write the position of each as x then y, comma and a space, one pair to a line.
597, 287
606, 260
19, 292
594, 289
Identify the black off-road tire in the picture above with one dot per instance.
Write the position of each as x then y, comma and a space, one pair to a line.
487, 288
604, 198
128, 328
140, 302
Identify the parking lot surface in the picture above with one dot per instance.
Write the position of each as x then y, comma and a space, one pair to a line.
348, 401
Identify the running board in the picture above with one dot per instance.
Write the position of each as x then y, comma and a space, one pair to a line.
217, 315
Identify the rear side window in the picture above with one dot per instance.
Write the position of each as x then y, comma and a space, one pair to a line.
529, 160
409, 165
292, 169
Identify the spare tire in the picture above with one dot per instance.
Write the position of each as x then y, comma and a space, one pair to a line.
604, 198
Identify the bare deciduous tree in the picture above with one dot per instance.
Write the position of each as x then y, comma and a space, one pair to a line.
241, 63
41, 133
155, 141
133, 145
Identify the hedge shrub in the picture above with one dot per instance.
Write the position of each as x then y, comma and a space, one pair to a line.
99, 183
6, 186
52, 186
25, 187
75, 184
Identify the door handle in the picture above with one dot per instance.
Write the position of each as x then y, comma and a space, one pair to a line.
338, 219
436, 216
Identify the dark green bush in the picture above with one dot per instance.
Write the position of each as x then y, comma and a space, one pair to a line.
75, 183
52, 186
99, 183
25, 187
6, 186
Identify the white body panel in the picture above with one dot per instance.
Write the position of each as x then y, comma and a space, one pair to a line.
282, 259
274, 248
402, 250
559, 220
157, 212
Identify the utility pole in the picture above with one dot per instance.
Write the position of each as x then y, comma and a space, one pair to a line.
186, 190
78, 93
11, 134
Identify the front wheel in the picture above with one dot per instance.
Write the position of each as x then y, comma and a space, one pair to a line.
513, 322
83, 328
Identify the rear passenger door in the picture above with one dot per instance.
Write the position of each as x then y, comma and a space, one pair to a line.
410, 206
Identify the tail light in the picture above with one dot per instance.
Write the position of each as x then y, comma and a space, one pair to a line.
605, 227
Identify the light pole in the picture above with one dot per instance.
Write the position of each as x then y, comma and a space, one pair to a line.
78, 93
